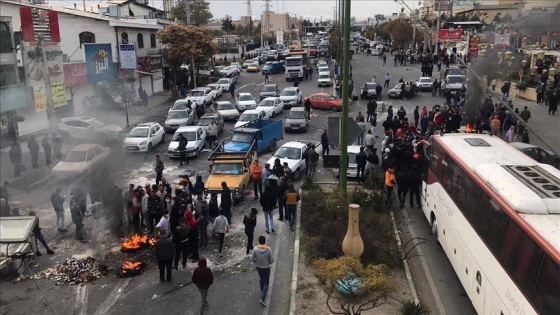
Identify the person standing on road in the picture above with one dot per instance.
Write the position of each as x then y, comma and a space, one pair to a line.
389, 185
369, 140
307, 105
212, 134
33, 147
415, 185
220, 228
256, 171
416, 116
325, 142
553, 103
181, 242
371, 108
232, 89
403, 180
262, 258
182, 148
291, 198
387, 80
164, 250
159, 169
361, 161
77, 218
39, 236
250, 222
266, 80
203, 278
58, 206
268, 201
203, 221
226, 202
193, 235
47, 147
313, 158
525, 114
310, 73
144, 98
282, 188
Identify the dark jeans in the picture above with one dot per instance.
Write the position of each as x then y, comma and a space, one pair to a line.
181, 251
165, 265
39, 237
415, 192
362, 170
386, 83
291, 214
325, 149
402, 192
264, 276
249, 240
227, 214
281, 208
79, 230
159, 175
48, 156
183, 158
221, 236
389, 194
34, 157
203, 229
257, 187
193, 248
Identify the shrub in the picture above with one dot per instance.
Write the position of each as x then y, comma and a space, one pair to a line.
411, 308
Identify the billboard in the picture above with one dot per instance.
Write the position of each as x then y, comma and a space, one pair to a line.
443, 5
75, 74
473, 46
39, 23
502, 35
99, 62
450, 35
33, 64
127, 56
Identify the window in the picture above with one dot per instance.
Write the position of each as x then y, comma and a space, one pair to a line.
490, 222
97, 150
124, 38
153, 40
5, 38
140, 40
87, 38
7, 75
546, 297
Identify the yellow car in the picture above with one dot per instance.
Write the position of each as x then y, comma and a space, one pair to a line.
254, 68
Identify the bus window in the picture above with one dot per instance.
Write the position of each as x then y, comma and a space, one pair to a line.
490, 222
546, 297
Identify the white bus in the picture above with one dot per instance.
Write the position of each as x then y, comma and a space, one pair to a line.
496, 213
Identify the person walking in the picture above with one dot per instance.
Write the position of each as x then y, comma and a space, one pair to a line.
313, 158
202, 222
203, 278
310, 73
232, 89
47, 147
227, 202
387, 80
415, 186
182, 148
58, 206
291, 198
220, 228
266, 80
282, 188
33, 147
325, 142
159, 169
361, 161
389, 185
525, 114
495, 124
181, 242
250, 222
15, 158
164, 251
39, 236
371, 108
212, 134
307, 105
77, 218
256, 174
268, 201
403, 181
553, 103
262, 258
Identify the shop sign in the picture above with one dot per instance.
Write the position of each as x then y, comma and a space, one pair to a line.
75, 74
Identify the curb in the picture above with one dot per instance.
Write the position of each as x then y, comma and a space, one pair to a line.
405, 263
293, 288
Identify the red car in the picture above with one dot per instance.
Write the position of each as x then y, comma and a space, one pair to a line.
324, 101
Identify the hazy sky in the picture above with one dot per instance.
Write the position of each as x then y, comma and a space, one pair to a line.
307, 8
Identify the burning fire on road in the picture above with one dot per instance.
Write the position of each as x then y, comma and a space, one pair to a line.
137, 242
131, 268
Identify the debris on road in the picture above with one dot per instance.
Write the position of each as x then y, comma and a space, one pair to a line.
73, 271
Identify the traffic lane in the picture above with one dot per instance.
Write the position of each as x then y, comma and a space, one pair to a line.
434, 278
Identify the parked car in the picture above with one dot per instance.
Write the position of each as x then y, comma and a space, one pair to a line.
325, 101
324, 79
247, 63
144, 137
236, 65
273, 67
196, 139
538, 154
398, 91
178, 118
291, 97
371, 93
88, 128
269, 90
271, 106
179, 104
254, 67
376, 51
292, 153
227, 110
81, 160
216, 89
201, 96
296, 120
323, 69
245, 101
250, 115
225, 83
352, 169
425, 84
206, 119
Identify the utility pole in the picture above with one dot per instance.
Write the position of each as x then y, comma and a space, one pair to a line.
51, 114
188, 11
345, 99
250, 15
266, 25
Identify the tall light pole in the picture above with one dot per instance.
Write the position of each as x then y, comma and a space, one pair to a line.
345, 98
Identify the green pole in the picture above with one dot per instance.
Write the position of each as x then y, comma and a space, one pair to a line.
340, 21
345, 97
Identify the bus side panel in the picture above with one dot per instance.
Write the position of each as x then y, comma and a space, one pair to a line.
471, 275
492, 303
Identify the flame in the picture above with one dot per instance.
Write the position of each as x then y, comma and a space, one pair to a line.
130, 265
471, 128
136, 241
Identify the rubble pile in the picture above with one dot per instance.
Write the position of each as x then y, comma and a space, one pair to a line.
73, 271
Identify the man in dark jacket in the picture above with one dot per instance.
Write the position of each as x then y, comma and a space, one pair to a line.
158, 167
181, 242
15, 158
415, 185
39, 236
361, 161
77, 218
282, 188
307, 106
164, 254
403, 182
325, 142
227, 203
33, 146
371, 108
250, 222
203, 278
58, 206
268, 201
47, 147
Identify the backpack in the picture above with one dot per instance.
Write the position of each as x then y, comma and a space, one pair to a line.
372, 158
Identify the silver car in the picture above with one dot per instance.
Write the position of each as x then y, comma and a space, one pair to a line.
178, 118
88, 128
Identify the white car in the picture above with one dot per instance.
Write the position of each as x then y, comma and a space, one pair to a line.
216, 89
201, 96
425, 84
376, 51
322, 64
82, 159
144, 137
196, 139
323, 69
236, 64
227, 110
324, 79
352, 169
250, 115
179, 104
88, 128
225, 83
271, 106
245, 101
291, 96
292, 153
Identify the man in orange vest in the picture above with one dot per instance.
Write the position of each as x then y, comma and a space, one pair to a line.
257, 170
389, 185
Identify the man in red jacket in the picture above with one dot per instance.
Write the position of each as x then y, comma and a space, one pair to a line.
203, 278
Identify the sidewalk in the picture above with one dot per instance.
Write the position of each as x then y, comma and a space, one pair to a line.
31, 176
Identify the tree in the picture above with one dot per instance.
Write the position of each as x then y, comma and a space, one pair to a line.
200, 12
376, 284
179, 12
227, 25
401, 33
184, 43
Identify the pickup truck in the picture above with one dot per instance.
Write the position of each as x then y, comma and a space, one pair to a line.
273, 67
234, 168
265, 134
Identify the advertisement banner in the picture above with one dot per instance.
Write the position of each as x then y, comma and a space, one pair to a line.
75, 74
473, 46
99, 62
33, 63
58, 91
502, 35
127, 56
145, 65
40, 98
39, 23
450, 35
442, 5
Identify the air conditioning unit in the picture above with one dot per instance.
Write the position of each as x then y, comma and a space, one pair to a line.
38, 1
113, 10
